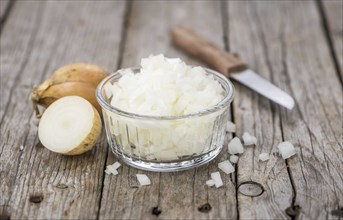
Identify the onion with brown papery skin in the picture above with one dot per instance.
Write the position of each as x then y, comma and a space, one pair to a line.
79, 79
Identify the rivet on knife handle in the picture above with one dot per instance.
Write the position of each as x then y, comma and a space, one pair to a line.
198, 46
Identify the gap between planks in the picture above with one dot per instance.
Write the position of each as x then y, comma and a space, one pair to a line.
124, 29
329, 37
5, 9
226, 40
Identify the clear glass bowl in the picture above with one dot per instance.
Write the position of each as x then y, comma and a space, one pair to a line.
166, 143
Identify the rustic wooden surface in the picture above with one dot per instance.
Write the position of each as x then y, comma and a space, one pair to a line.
3, 8
333, 13
167, 188
298, 62
38, 38
296, 45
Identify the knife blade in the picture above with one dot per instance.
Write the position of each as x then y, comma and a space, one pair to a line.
255, 82
228, 64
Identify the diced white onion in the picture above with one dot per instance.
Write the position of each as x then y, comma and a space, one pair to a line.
226, 167
286, 149
218, 182
116, 165
108, 172
112, 170
143, 179
235, 146
210, 182
125, 71
249, 139
263, 156
230, 127
233, 159
165, 87
107, 89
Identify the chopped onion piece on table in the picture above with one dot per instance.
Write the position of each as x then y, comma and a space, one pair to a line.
226, 167
218, 182
108, 172
286, 149
116, 165
249, 139
233, 159
235, 146
263, 156
230, 127
112, 169
210, 182
143, 179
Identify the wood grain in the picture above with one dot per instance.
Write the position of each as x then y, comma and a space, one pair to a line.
178, 195
284, 41
39, 37
3, 7
315, 127
334, 15
257, 116
296, 56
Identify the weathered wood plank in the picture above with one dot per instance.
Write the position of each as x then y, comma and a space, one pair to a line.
39, 37
334, 14
3, 7
178, 195
316, 125
259, 117
298, 58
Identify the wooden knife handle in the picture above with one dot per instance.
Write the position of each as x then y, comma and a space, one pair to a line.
200, 47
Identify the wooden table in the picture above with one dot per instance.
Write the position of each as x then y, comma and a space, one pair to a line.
297, 45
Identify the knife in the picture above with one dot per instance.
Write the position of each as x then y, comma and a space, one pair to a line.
228, 64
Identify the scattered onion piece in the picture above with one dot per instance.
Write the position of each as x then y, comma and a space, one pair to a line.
21, 147
230, 127
233, 159
226, 167
286, 149
218, 182
116, 165
112, 169
210, 182
235, 146
263, 156
249, 139
143, 179
108, 172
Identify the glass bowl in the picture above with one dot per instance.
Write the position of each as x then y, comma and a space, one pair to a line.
165, 143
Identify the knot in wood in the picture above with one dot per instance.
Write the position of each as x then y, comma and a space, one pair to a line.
61, 186
156, 211
205, 208
293, 211
337, 212
4, 212
251, 188
36, 198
